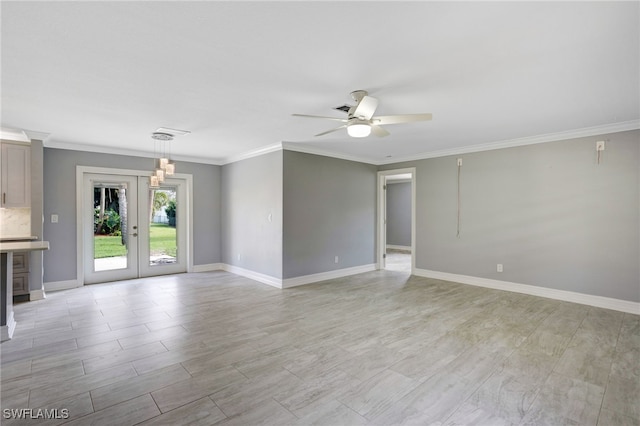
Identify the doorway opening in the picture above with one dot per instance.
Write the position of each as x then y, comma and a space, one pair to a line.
396, 220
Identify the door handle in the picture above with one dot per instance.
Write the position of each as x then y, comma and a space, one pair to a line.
135, 234
135, 227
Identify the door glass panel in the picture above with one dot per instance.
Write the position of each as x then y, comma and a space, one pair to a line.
109, 226
163, 242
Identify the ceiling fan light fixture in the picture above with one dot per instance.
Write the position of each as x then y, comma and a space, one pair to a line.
359, 130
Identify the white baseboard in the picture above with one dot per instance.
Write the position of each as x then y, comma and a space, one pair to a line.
37, 295
394, 247
6, 331
550, 293
208, 267
256, 276
296, 281
61, 285
329, 275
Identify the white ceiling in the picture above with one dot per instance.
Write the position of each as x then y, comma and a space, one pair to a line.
107, 74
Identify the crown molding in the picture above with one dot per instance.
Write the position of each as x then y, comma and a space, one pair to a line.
253, 153
529, 140
40, 136
129, 152
298, 147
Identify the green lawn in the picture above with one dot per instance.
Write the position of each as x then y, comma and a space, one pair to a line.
162, 239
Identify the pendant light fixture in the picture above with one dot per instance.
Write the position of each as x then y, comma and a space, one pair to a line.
163, 166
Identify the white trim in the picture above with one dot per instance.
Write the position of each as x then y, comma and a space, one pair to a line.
395, 247
253, 153
6, 331
301, 147
128, 152
529, 140
329, 275
550, 293
37, 295
208, 267
394, 181
306, 149
256, 276
190, 243
81, 170
381, 213
34, 135
62, 285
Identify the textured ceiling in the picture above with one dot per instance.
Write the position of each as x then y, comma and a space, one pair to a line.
107, 74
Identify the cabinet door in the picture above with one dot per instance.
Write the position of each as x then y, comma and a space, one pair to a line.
20, 284
16, 175
20, 262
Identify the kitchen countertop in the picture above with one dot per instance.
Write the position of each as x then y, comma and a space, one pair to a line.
20, 238
6, 247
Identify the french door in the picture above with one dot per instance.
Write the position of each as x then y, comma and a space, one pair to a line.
131, 230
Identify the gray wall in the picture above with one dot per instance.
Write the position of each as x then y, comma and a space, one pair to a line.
399, 213
251, 191
37, 228
548, 212
329, 210
60, 198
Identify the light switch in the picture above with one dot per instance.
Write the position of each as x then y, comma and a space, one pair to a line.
54, 218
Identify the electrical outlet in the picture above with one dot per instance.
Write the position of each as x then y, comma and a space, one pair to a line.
336, 260
499, 267
600, 146
54, 218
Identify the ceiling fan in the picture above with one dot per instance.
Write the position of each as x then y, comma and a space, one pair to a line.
360, 121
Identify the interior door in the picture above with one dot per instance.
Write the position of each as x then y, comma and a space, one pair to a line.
110, 208
163, 227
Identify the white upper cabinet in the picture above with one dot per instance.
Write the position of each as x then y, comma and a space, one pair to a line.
16, 175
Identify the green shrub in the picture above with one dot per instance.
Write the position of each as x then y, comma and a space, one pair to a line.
110, 224
170, 210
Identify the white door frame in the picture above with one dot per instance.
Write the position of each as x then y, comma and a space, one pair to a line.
382, 227
80, 200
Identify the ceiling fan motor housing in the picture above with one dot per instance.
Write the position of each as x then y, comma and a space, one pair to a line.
357, 95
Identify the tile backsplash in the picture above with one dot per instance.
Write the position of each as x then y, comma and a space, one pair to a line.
15, 222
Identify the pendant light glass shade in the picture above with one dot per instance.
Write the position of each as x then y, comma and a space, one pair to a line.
153, 181
163, 162
160, 175
170, 169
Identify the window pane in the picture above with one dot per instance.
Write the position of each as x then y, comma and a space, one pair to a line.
162, 226
109, 226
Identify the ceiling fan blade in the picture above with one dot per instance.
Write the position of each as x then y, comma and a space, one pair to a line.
366, 108
332, 130
401, 118
378, 131
343, 120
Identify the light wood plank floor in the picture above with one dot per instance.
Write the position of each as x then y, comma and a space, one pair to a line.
398, 260
378, 348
